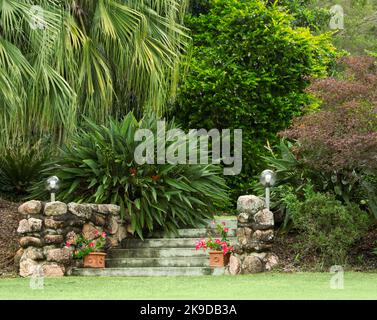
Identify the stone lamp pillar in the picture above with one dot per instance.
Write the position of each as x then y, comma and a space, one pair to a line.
255, 235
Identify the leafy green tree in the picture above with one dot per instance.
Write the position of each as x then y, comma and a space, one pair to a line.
248, 70
63, 59
306, 13
360, 25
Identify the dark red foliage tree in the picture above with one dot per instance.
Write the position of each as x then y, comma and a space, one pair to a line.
342, 136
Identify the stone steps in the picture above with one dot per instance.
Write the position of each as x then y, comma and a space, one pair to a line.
148, 271
163, 243
162, 254
158, 262
189, 233
154, 253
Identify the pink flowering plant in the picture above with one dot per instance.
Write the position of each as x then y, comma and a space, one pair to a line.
222, 244
84, 246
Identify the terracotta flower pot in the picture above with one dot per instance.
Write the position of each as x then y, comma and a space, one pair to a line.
95, 260
218, 259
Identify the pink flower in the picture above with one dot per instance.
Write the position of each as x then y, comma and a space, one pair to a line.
213, 222
91, 244
223, 223
226, 229
96, 232
103, 234
200, 244
68, 244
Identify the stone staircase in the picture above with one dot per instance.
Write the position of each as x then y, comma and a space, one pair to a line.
161, 255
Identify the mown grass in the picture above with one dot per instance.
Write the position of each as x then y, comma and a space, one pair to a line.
259, 286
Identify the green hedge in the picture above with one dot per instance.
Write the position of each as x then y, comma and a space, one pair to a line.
248, 69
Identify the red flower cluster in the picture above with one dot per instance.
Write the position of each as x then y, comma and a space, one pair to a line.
216, 244
84, 246
132, 171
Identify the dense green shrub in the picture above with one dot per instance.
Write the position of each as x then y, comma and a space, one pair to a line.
306, 13
248, 70
293, 173
360, 25
327, 227
20, 168
99, 167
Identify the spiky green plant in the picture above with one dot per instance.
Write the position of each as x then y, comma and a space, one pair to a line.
99, 167
60, 59
20, 168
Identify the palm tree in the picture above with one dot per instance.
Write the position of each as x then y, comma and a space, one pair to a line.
61, 59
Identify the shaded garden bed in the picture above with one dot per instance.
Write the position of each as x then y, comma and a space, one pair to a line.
292, 259
9, 218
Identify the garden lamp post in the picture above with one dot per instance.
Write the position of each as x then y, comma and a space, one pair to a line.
268, 179
52, 186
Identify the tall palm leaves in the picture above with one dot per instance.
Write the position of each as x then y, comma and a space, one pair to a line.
63, 59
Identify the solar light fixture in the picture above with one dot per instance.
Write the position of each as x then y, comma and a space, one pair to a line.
268, 179
52, 185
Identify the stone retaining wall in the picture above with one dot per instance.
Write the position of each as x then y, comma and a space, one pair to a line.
47, 227
255, 235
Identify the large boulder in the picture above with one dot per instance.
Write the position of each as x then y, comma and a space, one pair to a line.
245, 218
80, 210
90, 232
53, 224
55, 208
98, 219
53, 270
263, 235
17, 257
30, 207
244, 235
271, 261
30, 241
252, 264
264, 219
28, 267
29, 225
71, 237
109, 209
59, 255
249, 204
113, 225
53, 238
32, 253
234, 265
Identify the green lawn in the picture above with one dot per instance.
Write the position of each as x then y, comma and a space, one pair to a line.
260, 286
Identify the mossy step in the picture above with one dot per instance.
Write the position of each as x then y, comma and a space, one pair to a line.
189, 233
158, 262
147, 272
163, 243
155, 253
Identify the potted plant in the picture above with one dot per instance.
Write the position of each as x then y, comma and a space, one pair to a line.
220, 249
90, 250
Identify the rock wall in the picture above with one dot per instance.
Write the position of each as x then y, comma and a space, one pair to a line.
255, 235
47, 227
